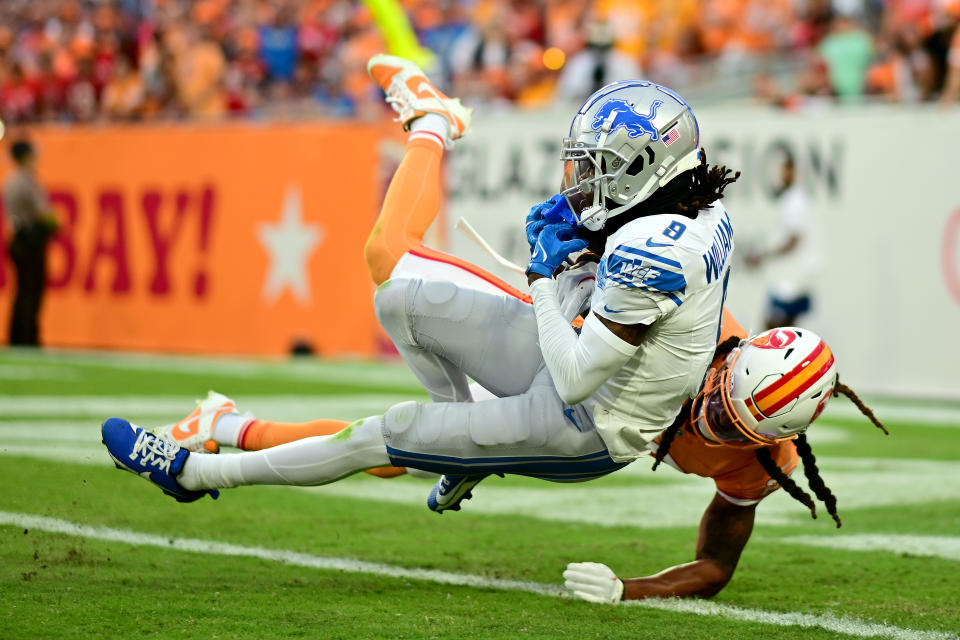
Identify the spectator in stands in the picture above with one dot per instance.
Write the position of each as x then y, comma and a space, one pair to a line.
847, 51
278, 46
200, 71
481, 57
206, 58
18, 97
81, 93
951, 89
28, 210
598, 64
123, 97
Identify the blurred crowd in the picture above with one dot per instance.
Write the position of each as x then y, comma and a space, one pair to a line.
122, 60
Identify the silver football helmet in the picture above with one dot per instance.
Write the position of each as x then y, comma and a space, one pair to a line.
628, 139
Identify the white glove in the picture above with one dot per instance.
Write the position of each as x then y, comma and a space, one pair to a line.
594, 582
574, 288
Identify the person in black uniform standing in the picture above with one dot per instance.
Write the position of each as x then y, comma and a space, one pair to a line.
26, 204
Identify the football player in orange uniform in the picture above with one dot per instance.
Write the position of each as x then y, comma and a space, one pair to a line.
725, 434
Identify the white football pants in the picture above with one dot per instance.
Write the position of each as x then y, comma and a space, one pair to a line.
446, 332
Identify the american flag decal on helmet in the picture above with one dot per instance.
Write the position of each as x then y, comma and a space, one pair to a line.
671, 136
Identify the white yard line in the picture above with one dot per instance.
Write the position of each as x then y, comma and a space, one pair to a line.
175, 407
844, 625
151, 405
31, 372
946, 547
895, 412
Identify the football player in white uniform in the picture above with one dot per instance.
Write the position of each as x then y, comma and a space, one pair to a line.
638, 191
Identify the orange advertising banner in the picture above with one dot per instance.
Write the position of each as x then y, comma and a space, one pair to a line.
216, 239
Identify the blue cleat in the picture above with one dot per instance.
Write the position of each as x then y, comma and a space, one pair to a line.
450, 491
138, 451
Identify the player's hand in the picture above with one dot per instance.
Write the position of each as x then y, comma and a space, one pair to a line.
575, 286
536, 220
594, 582
554, 243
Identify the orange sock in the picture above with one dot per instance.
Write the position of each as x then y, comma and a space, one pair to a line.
410, 206
263, 434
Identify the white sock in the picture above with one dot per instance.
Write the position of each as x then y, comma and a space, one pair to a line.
308, 462
431, 124
227, 428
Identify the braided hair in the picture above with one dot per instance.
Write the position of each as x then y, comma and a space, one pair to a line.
722, 351
810, 470
774, 471
686, 195
855, 399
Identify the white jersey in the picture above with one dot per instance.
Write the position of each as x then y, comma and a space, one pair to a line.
670, 272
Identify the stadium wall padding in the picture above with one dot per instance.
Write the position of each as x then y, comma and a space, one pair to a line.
209, 239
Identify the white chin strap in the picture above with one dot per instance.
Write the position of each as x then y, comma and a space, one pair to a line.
594, 217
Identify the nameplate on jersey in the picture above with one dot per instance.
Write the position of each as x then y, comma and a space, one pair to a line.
715, 259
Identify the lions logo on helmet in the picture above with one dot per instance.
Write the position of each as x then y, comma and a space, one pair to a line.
770, 389
618, 113
617, 152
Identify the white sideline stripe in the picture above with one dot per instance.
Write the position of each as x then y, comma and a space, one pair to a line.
847, 626
946, 547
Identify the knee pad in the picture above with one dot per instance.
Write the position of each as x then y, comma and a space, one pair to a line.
406, 425
444, 299
390, 305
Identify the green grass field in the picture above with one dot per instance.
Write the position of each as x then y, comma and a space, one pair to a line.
86, 550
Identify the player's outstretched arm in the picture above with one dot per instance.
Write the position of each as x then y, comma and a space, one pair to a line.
724, 531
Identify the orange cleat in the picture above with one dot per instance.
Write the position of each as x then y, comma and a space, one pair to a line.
411, 94
195, 432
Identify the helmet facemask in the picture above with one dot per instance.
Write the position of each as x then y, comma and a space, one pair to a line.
714, 415
628, 140
585, 180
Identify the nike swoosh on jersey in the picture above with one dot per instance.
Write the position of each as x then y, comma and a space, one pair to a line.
651, 243
569, 414
609, 310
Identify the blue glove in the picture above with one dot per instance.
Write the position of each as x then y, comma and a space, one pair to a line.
554, 244
560, 212
536, 220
